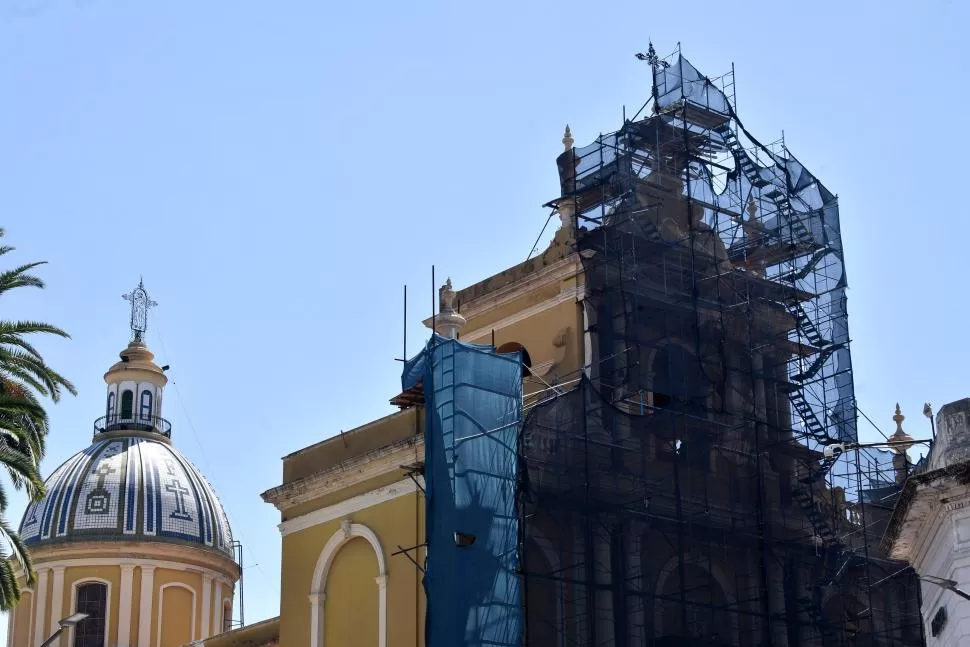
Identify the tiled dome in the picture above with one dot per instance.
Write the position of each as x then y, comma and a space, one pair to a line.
128, 488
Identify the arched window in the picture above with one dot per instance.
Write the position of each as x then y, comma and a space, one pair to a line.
92, 599
513, 346
127, 404
145, 412
111, 407
227, 616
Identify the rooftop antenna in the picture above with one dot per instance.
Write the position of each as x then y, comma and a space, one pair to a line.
140, 304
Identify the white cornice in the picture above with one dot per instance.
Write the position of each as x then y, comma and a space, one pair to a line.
360, 469
114, 562
935, 517
349, 506
139, 553
572, 294
484, 303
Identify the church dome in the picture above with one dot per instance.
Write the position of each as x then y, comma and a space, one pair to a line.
128, 487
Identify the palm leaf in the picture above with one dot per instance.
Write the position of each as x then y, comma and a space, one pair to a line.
29, 328
24, 378
18, 277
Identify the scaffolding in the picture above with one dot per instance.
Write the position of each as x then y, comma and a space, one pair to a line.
677, 493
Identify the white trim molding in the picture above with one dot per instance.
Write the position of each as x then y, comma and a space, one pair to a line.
145, 605
356, 470
206, 605
144, 563
526, 282
124, 603
348, 506
161, 608
57, 598
40, 605
107, 605
318, 593
573, 294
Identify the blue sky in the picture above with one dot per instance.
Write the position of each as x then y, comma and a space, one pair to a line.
277, 171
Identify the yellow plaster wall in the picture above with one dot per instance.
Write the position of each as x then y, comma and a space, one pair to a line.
23, 620
539, 333
351, 607
398, 522
178, 604
176, 621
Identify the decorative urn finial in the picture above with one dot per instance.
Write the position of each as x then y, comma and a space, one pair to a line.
900, 441
448, 319
567, 139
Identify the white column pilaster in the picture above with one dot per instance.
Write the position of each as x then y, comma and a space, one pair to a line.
145, 607
317, 600
124, 605
57, 599
206, 608
40, 605
381, 610
217, 607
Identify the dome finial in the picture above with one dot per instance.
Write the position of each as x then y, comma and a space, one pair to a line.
900, 441
567, 139
140, 304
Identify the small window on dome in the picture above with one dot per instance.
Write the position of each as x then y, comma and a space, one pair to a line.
111, 407
127, 404
92, 599
146, 405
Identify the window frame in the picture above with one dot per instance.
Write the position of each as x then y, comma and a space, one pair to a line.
131, 405
145, 404
76, 601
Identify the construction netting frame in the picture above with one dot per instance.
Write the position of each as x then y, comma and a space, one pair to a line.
473, 400
680, 495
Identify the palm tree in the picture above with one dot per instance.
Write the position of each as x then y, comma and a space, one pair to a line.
24, 379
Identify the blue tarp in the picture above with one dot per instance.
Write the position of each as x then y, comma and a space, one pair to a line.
473, 401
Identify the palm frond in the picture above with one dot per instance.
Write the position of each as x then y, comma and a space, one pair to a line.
18, 277
22, 465
29, 328
14, 360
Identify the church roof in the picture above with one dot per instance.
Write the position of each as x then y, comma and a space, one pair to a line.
128, 488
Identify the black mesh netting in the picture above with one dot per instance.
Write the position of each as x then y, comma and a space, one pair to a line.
679, 494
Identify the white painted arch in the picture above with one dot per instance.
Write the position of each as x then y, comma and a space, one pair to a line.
161, 608
318, 585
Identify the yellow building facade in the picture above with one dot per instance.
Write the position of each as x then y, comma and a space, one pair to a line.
129, 531
352, 507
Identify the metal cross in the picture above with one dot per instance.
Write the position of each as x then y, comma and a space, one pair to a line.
652, 58
140, 304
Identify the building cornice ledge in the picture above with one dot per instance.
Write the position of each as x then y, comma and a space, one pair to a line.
359, 469
484, 303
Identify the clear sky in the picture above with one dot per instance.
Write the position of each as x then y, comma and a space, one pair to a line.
277, 171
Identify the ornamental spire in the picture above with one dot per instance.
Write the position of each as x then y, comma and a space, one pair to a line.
140, 304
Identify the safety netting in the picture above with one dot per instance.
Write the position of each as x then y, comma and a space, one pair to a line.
473, 401
681, 493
